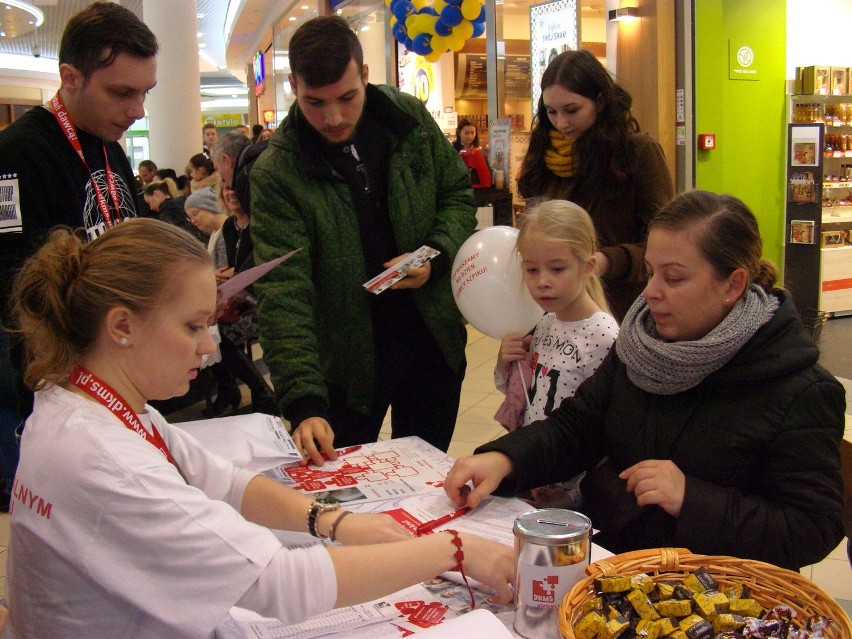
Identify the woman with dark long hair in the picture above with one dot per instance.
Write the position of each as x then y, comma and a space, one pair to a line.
586, 147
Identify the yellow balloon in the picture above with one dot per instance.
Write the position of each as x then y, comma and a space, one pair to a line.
464, 30
434, 56
420, 4
412, 26
392, 20
455, 42
439, 6
428, 23
470, 9
439, 44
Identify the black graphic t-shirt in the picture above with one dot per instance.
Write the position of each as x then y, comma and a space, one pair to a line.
43, 184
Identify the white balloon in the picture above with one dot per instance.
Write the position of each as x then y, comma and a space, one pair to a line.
488, 284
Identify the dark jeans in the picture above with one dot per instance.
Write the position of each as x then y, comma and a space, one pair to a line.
414, 380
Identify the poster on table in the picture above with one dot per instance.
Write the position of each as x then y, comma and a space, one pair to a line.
499, 135
554, 28
520, 142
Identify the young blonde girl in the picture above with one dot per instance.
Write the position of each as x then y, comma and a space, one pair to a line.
556, 245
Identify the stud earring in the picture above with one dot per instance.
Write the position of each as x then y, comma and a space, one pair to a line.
123, 341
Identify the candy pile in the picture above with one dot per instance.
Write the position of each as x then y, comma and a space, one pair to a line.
696, 607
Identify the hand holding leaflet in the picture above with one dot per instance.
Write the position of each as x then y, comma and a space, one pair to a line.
240, 281
395, 273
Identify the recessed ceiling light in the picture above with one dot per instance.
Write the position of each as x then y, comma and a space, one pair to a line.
292, 18
202, 45
305, 7
35, 12
199, 16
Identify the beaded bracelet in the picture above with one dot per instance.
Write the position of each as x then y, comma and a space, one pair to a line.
332, 533
459, 557
318, 507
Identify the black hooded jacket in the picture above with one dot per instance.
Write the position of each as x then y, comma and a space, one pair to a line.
758, 442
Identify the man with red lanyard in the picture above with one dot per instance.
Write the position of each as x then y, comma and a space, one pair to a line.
62, 164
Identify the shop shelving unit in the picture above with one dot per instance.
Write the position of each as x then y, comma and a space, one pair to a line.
818, 238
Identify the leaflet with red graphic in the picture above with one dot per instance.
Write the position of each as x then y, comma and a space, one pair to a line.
492, 519
395, 273
376, 471
434, 609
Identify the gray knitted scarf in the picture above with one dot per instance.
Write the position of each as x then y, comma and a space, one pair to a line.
659, 366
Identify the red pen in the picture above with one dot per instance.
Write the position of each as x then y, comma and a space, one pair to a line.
340, 453
429, 525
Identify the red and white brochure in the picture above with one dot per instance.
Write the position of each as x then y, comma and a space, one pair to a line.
392, 275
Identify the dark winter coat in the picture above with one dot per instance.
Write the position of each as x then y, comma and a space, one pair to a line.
758, 441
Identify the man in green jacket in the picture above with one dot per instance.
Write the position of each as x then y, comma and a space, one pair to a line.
358, 176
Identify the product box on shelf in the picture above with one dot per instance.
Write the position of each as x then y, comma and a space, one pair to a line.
832, 239
815, 80
839, 80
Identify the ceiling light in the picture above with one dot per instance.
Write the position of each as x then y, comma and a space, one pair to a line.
199, 34
20, 17
35, 12
202, 45
305, 7
624, 14
292, 18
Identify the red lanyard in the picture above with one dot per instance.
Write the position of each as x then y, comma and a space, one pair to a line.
64, 119
103, 393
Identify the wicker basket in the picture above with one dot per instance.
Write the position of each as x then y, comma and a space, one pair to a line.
769, 584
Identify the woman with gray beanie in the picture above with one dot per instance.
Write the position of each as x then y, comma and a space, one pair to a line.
710, 425
204, 212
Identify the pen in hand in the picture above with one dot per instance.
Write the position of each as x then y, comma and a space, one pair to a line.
429, 525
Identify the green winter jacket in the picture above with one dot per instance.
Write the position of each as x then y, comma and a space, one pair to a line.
315, 324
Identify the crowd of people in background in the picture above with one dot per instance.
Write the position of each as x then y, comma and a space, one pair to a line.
710, 361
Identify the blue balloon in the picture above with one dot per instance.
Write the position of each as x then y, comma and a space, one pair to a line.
429, 11
409, 44
478, 29
422, 44
399, 32
451, 16
480, 18
453, 2
442, 28
402, 9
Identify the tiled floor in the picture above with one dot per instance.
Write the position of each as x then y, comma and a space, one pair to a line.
476, 425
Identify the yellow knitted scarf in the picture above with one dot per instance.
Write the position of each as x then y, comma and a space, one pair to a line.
558, 158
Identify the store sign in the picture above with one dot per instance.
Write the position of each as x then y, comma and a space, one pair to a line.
228, 120
554, 28
259, 73
421, 79
742, 64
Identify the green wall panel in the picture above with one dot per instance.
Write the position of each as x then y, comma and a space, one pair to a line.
747, 116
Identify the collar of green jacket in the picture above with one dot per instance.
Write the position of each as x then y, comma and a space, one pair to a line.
379, 104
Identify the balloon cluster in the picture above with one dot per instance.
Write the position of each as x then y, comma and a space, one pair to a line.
431, 30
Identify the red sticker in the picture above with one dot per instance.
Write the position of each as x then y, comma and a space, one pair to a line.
429, 615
